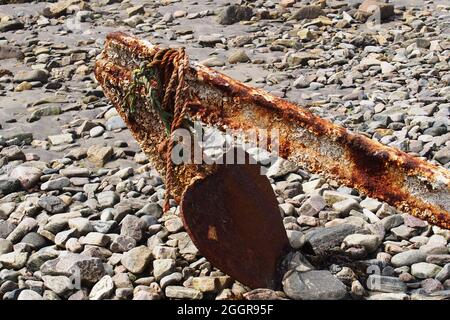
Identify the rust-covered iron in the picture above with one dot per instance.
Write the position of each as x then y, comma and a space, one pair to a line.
408, 183
233, 218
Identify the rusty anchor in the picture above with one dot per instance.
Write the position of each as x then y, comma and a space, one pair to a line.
229, 210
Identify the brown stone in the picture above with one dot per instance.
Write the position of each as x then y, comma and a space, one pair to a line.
99, 155
370, 7
307, 12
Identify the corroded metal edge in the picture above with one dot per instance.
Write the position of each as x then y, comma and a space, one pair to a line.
408, 183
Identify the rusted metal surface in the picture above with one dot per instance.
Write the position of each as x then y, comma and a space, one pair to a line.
406, 182
229, 211
233, 218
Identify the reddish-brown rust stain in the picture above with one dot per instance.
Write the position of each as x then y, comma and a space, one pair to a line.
380, 153
132, 45
282, 108
285, 148
370, 166
334, 171
370, 172
203, 112
114, 72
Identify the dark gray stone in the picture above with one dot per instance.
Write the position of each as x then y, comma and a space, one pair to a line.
9, 185
234, 13
37, 259
151, 209
444, 274
11, 25
6, 228
35, 239
313, 285
52, 204
103, 226
8, 286
321, 240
